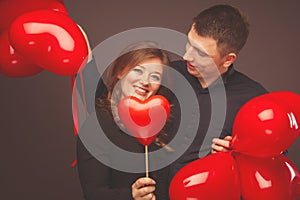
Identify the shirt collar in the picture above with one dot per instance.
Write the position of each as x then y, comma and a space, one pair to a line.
222, 80
227, 74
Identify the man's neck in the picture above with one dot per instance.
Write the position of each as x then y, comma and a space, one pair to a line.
206, 82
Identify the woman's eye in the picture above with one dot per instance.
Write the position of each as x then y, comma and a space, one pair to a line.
137, 70
155, 78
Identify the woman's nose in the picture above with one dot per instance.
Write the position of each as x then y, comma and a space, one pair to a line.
144, 80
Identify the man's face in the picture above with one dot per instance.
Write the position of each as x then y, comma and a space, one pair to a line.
203, 58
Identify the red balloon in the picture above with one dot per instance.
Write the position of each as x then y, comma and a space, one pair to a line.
290, 100
51, 40
267, 178
58, 6
213, 177
144, 119
12, 64
11, 9
265, 126
296, 184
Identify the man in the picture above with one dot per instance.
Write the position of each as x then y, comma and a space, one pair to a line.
214, 41
215, 38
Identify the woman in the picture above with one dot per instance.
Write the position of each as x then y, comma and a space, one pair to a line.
138, 73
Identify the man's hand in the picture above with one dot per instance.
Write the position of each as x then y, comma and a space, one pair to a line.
143, 189
221, 145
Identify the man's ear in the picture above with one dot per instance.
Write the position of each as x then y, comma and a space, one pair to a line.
229, 59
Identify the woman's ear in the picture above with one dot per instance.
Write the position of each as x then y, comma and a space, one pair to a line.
229, 59
120, 76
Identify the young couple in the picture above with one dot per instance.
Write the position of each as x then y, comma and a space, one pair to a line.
215, 38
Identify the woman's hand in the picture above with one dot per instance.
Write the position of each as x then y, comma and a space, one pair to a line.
221, 145
143, 189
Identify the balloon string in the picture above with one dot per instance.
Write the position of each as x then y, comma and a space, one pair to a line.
146, 160
74, 105
75, 102
83, 92
74, 163
75, 111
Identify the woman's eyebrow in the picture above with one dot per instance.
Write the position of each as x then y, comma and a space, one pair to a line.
141, 66
157, 73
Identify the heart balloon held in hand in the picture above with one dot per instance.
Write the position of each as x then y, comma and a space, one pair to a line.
51, 40
144, 119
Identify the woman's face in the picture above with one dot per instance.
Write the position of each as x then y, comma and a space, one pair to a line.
143, 80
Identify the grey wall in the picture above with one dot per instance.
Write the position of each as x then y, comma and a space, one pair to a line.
37, 144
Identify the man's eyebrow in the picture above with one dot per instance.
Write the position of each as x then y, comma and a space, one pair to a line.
197, 48
201, 51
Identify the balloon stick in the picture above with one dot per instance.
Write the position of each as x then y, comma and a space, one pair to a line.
146, 160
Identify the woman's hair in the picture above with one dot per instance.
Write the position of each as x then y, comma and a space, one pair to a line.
108, 91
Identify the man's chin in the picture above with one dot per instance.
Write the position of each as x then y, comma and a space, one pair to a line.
193, 71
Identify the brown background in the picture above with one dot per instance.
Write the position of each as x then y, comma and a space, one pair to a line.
37, 144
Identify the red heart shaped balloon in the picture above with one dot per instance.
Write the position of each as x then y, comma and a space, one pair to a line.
290, 100
296, 185
213, 177
51, 40
12, 64
267, 178
144, 119
265, 126
11, 9
58, 7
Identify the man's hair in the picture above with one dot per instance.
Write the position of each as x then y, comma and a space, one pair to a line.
226, 25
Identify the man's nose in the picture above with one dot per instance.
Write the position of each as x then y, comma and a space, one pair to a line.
188, 55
